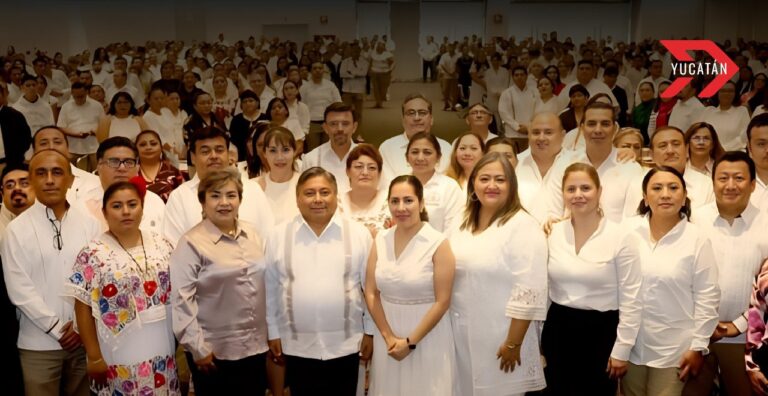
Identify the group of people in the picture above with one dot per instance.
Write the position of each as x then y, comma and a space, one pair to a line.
594, 258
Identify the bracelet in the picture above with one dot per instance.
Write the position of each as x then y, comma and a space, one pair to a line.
512, 346
101, 359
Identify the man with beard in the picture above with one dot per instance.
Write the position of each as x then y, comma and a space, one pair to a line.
17, 197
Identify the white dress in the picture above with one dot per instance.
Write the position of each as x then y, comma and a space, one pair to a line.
407, 293
501, 274
281, 197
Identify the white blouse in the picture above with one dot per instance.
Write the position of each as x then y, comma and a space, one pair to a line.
604, 275
281, 197
444, 202
680, 293
731, 125
374, 215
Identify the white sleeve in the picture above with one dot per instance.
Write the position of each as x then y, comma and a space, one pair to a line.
173, 220
706, 297
629, 276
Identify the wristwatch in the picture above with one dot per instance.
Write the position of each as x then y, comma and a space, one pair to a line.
410, 346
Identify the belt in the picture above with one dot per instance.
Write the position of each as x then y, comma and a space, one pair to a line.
317, 122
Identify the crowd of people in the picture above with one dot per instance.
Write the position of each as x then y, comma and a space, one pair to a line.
176, 225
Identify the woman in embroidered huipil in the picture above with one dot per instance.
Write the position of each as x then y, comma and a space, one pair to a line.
121, 286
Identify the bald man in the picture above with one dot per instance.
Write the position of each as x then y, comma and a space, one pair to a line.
38, 250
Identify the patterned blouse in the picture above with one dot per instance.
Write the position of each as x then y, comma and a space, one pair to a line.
758, 318
167, 179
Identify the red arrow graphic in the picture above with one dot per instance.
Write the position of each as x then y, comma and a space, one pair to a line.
678, 49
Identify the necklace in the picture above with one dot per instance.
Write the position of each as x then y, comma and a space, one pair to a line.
144, 272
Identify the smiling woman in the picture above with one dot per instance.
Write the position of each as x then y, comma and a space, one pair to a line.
279, 183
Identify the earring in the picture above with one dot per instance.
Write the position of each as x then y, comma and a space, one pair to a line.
600, 211
473, 197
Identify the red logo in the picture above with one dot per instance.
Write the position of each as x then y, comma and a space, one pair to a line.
723, 67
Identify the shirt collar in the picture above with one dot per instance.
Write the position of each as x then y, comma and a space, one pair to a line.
335, 222
215, 234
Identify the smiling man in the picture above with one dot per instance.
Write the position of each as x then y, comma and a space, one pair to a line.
315, 305
339, 125
598, 127
208, 149
18, 194
417, 117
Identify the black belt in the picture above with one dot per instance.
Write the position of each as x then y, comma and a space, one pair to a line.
316, 122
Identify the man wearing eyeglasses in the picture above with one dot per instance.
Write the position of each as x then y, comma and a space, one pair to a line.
417, 117
339, 125
38, 250
17, 197
117, 160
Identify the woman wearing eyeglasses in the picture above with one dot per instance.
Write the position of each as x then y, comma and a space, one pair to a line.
703, 147
121, 286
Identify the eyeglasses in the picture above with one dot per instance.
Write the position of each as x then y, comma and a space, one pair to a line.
58, 242
11, 184
116, 162
414, 113
701, 139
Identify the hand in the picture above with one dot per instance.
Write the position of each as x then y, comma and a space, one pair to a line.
547, 227
97, 370
366, 347
690, 365
206, 365
759, 383
509, 357
625, 155
389, 223
69, 339
616, 368
724, 329
276, 348
398, 349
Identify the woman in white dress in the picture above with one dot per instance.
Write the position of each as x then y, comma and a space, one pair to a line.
680, 290
594, 283
365, 202
468, 148
408, 290
501, 286
121, 286
442, 195
279, 184
122, 119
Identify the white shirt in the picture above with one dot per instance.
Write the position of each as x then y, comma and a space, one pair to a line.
300, 112
281, 197
153, 209
698, 186
14, 93
35, 271
759, 197
616, 180
516, 107
84, 181
604, 275
183, 211
393, 153
496, 82
444, 201
5, 218
447, 65
138, 98
324, 157
594, 87
550, 106
318, 97
315, 301
428, 51
686, 113
731, 126
539, 194
680, 293
353, 73
78, 119
38, 113
740, 249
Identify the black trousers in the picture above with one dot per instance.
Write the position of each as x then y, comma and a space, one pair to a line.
313, 377
247, 376
577, 344
428, 66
